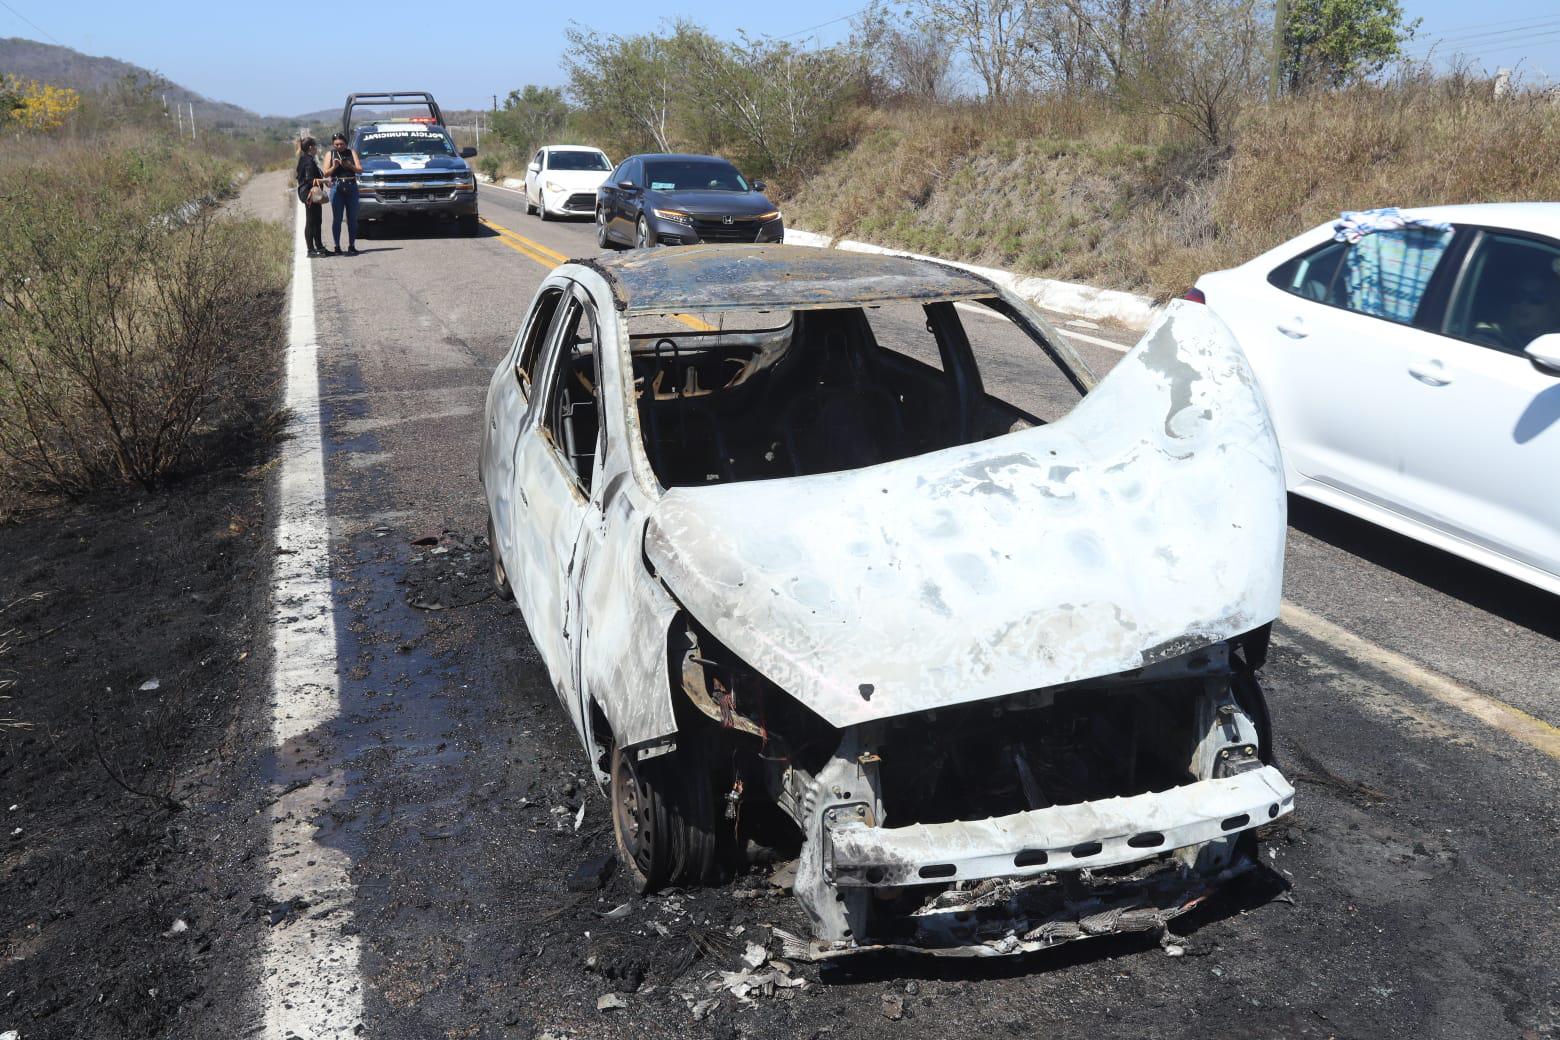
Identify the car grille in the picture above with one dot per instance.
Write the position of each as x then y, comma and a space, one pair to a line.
739, 230
414, 194
581, 200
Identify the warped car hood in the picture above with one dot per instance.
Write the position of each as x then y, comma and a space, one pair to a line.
1147, 522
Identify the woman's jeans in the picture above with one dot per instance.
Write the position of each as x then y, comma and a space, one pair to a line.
344, 199
313, 221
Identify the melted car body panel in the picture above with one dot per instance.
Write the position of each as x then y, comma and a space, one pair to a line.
1147, 522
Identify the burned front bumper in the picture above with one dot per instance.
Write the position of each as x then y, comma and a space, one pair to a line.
1030, 880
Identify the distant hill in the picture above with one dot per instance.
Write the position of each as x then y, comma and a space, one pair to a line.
65, 67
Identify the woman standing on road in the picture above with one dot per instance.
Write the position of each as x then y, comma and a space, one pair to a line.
342, 166
311, 179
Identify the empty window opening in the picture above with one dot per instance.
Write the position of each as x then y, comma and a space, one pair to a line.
574, 413
758, 395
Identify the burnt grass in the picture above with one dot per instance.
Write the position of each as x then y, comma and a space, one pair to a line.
138, 646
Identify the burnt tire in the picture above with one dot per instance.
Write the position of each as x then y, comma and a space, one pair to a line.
663, 818
500, 574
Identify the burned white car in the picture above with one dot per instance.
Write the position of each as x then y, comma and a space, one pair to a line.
851, 553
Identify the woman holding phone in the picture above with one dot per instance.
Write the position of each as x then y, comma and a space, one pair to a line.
311, 185
342, 166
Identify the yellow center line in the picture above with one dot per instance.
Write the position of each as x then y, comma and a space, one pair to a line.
551, 258
1496, 714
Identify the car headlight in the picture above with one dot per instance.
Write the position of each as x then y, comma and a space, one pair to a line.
466, 180
764, 218
676, 216
554, 187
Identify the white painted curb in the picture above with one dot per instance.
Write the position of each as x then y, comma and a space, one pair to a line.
1087, 301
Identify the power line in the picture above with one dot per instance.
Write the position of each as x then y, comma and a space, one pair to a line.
821, 25
32, 23
1490, 25
1476, 46
1490, 36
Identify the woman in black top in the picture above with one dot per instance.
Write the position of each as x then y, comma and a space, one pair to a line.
342, 166
310, 176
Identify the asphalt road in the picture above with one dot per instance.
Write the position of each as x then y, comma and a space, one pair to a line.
1411, 894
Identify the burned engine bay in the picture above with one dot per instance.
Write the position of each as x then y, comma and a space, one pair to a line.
1001, 826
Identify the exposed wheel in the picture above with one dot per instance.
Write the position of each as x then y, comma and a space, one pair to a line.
541, 206
468, 224
644, 238
663, 817
530, 207
500, 575
603, 238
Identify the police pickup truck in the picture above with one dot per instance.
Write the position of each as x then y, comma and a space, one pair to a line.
410, 163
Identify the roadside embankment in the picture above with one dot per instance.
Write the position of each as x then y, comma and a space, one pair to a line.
1082, 191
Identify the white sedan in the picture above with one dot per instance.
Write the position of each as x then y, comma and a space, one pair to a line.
562, 179
1414, 375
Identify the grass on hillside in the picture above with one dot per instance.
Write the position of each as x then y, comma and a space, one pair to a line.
1084, 191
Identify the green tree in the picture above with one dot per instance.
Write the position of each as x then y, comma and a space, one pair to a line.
1328, 43
629, 87
530, 117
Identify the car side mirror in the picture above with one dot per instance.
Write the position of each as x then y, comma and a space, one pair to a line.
758, 185
1544, 352
627, 185
468, 152
534, 168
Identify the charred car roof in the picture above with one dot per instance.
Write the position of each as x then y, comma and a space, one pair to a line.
757, 277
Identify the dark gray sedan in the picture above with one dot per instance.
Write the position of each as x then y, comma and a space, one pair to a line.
655, 200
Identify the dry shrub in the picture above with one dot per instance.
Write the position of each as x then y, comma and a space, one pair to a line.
1080, 189
137, 321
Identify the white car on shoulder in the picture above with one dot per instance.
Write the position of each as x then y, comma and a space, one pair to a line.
1414, 374
562, 179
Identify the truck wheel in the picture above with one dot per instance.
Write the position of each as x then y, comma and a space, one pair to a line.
469, 225
541, 206
663, 817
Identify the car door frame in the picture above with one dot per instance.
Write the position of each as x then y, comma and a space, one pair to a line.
1489, 364
1364, 471
627, 198
533, 178
551, 511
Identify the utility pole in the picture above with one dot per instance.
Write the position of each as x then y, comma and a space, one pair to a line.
1280, 25
192, 120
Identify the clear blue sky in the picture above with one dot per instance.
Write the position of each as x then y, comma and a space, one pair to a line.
277, 59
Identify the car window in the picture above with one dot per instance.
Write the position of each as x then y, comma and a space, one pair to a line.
536, 160
573, 406
686, 174
628, 173
784, 394
1383, 275
533, 335
1313, 274
570, 160
406, 141
1509, 293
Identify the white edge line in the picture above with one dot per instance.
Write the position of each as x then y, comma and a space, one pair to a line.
310, 985
1120, 348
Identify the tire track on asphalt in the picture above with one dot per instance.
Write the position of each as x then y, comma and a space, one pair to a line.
309, 974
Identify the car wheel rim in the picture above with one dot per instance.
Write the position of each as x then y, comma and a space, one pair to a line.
629, 815
644, 234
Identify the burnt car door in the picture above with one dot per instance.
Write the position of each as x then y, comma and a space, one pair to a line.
509, 401
554, 471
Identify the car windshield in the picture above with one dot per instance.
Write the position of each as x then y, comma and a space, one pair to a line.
577, 161
693, 174
406, 142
